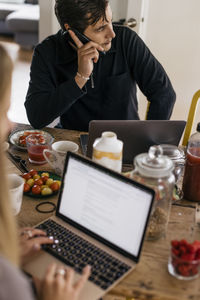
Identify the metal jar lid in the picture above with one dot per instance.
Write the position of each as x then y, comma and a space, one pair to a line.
154, 163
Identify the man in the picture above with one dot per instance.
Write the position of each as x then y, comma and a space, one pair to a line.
78, 83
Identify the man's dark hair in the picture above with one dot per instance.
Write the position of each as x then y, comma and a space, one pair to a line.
79, 14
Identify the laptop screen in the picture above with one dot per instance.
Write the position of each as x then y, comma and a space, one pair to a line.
137, 135
109, 205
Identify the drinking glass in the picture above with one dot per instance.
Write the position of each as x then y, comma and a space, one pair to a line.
36, 143
183, 269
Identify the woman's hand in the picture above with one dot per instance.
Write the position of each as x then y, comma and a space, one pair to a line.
59, 284
31, 240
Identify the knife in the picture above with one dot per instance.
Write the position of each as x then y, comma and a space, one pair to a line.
18, 162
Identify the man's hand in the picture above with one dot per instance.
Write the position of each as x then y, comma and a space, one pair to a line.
87, 55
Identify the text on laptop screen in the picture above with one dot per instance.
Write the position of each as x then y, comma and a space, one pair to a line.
115, 210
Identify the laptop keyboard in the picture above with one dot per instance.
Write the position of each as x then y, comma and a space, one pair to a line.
78, 252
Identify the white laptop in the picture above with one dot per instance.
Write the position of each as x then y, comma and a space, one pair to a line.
101, 220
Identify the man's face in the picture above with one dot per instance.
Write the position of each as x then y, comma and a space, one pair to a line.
102, 32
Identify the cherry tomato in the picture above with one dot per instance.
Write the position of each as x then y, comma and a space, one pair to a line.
58, 181
36, 176
46, 191
26, 187
26, 176
44, 186
45, 174
36, 189
44, 178
30, 182
22, 140
54, 186
38, 181
33, 172
49, 181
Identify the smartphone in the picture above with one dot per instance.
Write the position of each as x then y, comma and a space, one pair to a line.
84, 143
84, 39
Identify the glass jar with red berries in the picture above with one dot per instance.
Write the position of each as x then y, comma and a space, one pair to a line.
184, 259
156, 170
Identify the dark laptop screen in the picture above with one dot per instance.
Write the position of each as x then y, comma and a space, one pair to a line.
137, 135
105, 203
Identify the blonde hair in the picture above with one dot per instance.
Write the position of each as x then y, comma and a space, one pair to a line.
8, 235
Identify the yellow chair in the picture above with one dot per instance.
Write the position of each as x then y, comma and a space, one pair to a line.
147, 109
190, 118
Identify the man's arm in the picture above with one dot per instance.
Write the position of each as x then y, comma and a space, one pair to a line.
46, 100
151, 79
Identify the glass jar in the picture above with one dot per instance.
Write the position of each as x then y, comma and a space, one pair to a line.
191, 179
177, 155
156, 171
183, 269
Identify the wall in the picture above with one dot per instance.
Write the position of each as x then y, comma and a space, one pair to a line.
119, 8
172, 33
48, 23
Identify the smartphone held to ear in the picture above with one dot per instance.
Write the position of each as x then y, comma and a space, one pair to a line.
84, 39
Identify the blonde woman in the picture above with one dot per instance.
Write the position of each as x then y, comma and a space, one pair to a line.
13, 284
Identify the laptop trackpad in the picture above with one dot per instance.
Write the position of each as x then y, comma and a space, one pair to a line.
39, 264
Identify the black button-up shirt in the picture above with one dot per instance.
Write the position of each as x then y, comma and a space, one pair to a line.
53, 91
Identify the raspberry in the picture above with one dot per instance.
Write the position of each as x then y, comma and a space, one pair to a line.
196, 245
188, 257
183, 249
175, 251
183, 270
197, 254
175, 243
175, 262
191, 248
183, 243
194, 270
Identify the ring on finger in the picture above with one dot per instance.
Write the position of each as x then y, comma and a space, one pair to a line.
61, 272
28, 233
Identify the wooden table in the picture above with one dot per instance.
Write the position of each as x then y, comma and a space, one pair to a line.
150, 280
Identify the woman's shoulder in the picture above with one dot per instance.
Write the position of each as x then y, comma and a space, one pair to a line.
13, 284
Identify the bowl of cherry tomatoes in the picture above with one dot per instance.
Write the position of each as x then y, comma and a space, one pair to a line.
39, 184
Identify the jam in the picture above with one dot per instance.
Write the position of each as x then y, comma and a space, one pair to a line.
191, 181
36, 153
36, 143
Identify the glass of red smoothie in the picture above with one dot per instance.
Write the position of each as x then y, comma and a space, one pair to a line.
36, 143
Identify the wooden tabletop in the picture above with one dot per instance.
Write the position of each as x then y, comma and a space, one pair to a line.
150, 280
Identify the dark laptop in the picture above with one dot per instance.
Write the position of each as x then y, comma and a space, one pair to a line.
136, 135
101, 220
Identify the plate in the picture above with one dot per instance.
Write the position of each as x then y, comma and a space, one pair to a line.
14, 137
51, 175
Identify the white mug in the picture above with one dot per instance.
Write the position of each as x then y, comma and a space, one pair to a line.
56, 156
16, 186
